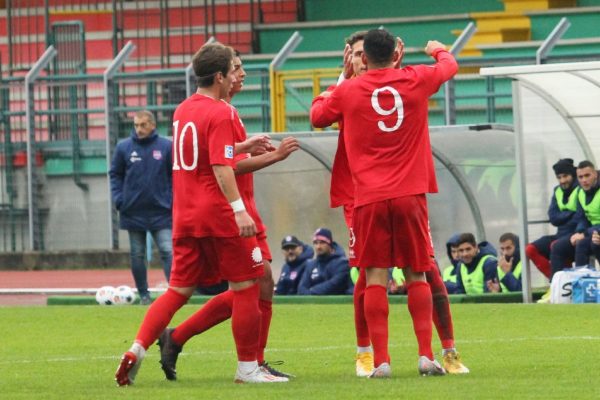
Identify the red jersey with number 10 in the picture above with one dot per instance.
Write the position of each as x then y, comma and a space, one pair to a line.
384, 114
203, 136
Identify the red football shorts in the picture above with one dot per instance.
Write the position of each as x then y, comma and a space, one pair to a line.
261, 238
393, 232
205, 261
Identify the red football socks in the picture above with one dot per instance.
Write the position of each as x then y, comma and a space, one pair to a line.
245, 322
158, 316
442, 317
266, 309
360, 323
376, 313
541, 262
420, 306
213, 312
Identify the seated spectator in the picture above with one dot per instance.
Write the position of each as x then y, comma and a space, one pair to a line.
296, 255
328, 273
578, 246
561, 213
509, 266
449, 273
477, 265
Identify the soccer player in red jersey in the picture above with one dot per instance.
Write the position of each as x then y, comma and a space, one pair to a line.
384, 114
213, 234
342, 194
218, 309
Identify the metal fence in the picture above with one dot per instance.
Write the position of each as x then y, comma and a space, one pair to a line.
166, 31
57, 132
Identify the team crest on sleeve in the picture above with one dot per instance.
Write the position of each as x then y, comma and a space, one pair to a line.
156, 154
228, 151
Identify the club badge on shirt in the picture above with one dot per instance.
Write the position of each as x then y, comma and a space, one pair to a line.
157, 154
228, 151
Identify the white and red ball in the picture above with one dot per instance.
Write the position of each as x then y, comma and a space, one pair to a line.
124, 295
105, 296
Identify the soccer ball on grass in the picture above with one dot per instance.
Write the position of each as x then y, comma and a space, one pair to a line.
124, 295
105, 296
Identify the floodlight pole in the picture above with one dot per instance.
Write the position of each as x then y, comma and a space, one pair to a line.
457, 46
112, 133
281, 57
30, 78
189, 72
541, 55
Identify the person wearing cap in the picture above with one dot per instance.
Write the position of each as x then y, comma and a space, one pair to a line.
328, 273
578, 246
561, 213
296, 255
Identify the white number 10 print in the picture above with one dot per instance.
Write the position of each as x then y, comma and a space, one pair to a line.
178, 146
398, 107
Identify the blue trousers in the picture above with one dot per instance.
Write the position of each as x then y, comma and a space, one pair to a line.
137, 243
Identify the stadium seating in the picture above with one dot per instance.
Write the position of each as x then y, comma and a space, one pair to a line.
509, 32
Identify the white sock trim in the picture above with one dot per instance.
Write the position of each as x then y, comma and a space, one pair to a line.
138, 350
246, 367
367, 349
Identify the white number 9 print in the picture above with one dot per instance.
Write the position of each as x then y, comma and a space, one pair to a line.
398, 107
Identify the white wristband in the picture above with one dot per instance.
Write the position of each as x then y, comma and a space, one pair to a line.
238, 205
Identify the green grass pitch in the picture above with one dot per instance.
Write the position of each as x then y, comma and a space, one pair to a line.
514, 351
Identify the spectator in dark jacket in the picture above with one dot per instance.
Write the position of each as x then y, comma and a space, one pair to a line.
296, 255
477, 266
561, 213
328, 273
141, 186
449, 273
509, 265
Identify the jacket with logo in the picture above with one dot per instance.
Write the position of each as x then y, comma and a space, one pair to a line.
292, 272
327, 275
141, 183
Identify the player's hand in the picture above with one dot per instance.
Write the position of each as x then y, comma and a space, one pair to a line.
576, 237
400, 51
245, 223
288, 146
433, 45
326, 94
596, 238
493, 286
256, 145
348, 69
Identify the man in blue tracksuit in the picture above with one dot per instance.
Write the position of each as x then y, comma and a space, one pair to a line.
509, 265
141, 186
561, 213
477, 267
449, 273
577, 246
296, 256
328, 273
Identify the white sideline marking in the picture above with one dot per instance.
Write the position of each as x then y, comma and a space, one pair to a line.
296, 350
66, 290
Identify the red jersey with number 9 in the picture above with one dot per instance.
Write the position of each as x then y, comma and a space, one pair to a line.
384, 114
203, 136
